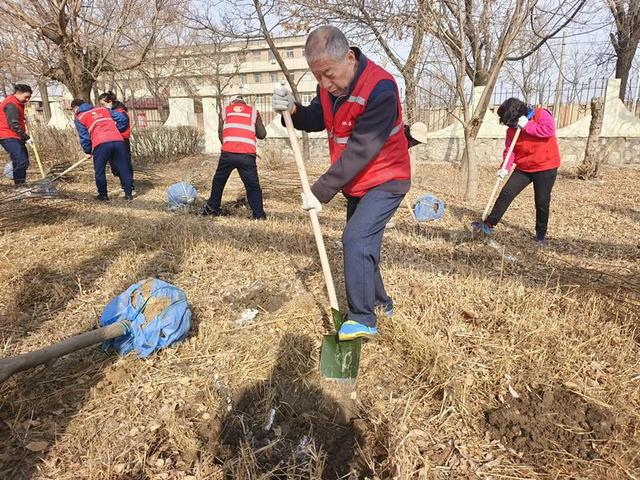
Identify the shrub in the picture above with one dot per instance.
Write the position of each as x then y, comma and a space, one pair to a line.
163, 144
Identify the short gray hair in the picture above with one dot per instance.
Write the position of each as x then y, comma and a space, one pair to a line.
326, 41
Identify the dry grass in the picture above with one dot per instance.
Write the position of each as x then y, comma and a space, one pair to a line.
471, 330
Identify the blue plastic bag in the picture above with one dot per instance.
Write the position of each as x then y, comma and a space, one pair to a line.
181, 195
428, 207
158, 312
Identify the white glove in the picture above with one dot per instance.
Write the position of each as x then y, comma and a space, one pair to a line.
310, 202
282, 100
522, 122
503, 173
29, 143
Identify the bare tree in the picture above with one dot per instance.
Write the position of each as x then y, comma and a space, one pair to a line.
249, 20
84, 39
625, 39
267, 33
482, 35
384, 23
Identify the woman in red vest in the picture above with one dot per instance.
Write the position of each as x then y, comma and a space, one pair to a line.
13, 134
359, 105
536, 158
110, 101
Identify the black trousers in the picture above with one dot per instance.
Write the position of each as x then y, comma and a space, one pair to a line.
542, 184
246, 165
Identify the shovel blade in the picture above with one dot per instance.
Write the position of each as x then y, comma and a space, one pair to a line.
339, 360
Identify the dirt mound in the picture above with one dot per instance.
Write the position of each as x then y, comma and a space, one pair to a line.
551, 419
259, 295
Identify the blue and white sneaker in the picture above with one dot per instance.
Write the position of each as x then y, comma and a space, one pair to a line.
350, 330
482, 227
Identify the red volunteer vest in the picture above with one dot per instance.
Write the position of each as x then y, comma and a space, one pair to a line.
5, 130
534, 154
102, 128
392, 162
127, 133
239, 129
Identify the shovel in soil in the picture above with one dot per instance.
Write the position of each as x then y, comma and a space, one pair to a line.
338, 360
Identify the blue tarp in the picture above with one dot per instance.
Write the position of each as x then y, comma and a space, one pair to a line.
181, 195
158, 312
428, 207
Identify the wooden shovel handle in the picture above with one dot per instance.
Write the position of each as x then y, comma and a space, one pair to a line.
492, 198
313, 214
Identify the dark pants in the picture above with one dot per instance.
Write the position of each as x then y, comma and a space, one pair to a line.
542, 185
114, 170
361, 243
246, 165
115, 154
17, 150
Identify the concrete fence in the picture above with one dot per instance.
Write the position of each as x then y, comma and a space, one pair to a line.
620, 135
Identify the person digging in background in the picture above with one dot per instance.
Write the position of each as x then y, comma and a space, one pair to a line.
359, 105
13, 134
110, 101
241, 128
536, 158
99, 131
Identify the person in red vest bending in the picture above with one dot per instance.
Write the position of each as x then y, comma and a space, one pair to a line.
109, 100
13, 134
359, 105
241, 127
536, 158
99, 130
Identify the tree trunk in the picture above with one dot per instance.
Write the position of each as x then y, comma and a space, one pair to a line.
471, 163
588, 169
410, 99
44, 94
624, 61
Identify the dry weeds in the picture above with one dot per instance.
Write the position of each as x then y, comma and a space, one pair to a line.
438, 393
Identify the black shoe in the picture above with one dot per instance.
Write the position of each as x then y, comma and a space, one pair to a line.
263, 217
102, 198
128, 197
207, 210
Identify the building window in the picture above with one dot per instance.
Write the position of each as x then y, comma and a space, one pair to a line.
271, 55
243, 78
289, 54
258, 78
257, 54
274, 77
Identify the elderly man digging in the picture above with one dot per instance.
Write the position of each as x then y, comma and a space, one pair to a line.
359, 106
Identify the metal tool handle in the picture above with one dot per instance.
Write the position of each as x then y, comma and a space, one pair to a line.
313, 214
492, 198
11, 365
